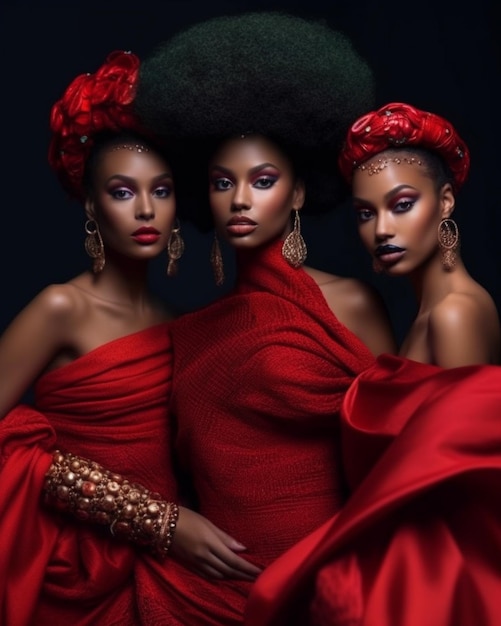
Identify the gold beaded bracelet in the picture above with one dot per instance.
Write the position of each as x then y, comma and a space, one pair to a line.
92, 494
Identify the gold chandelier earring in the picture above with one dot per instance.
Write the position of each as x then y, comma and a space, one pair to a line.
294, 248
448, 241
94, 245
216, 259
175, 249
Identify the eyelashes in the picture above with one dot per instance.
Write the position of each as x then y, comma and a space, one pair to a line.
400, 205
223, 183
125, 193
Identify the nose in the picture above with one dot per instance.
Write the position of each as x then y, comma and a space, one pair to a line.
145, 209
241, 197
384, 226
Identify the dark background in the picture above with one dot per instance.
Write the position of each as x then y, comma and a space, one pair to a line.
432, 54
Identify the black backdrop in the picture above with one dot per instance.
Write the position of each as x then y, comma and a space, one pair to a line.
427, 52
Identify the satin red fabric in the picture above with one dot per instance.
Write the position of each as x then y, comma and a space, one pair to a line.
419, 541
111, 406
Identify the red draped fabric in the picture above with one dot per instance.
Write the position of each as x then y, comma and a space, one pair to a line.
258, 381
419, 541
109, 406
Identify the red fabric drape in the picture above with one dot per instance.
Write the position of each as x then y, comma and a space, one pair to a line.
419, 541
110, 406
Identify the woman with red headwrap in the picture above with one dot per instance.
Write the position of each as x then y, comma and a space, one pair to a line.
98, 352
418, 541
405, 167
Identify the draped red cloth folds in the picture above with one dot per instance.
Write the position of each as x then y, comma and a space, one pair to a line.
258, 380
419, 540
109, 405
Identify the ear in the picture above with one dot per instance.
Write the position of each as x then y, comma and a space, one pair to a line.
299, 195
89, 209
447, 201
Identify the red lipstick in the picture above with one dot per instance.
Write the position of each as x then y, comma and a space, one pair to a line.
146, 235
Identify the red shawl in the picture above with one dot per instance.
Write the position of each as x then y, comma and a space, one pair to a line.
419, 541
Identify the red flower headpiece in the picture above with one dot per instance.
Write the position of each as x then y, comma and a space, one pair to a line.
400, 125
92, 103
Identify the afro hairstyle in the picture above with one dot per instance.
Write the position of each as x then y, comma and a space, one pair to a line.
296, 81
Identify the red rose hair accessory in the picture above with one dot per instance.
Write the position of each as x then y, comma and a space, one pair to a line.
92, 103
399, 125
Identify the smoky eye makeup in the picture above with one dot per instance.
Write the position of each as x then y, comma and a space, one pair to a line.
267, 175
363, 214
264, 182
120, 192
162, 191
404, 202
220, 183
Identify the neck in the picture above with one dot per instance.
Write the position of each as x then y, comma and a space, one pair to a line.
432, 282
125, 284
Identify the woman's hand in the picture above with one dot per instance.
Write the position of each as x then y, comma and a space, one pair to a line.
208, 551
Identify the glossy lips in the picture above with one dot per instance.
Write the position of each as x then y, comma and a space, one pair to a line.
239, 226
146, 235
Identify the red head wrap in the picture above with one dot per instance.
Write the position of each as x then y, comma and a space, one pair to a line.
92, 103
399, 125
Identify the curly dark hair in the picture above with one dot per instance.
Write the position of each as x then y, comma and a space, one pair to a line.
296, 81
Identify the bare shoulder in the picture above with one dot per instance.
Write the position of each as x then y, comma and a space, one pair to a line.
358, 295
59, 301
347, 296
29, 344
464, 329
360, 307
463, 309
333, 285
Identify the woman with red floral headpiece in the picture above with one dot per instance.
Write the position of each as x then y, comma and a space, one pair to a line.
418, 541
98, 353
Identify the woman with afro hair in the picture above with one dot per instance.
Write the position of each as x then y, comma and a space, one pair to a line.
257, 105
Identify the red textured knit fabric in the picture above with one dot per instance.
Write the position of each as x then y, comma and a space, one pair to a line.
258, 380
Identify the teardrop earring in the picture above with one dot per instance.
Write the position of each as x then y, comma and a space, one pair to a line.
294, 248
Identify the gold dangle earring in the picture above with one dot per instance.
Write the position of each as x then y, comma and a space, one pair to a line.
94, 245
175, 249
294, 248
216, 259
448, 241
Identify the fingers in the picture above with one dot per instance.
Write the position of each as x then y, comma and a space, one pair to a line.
229, 541
230, 565
219, 570
209, 551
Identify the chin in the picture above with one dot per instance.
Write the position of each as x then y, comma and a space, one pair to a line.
396, 270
